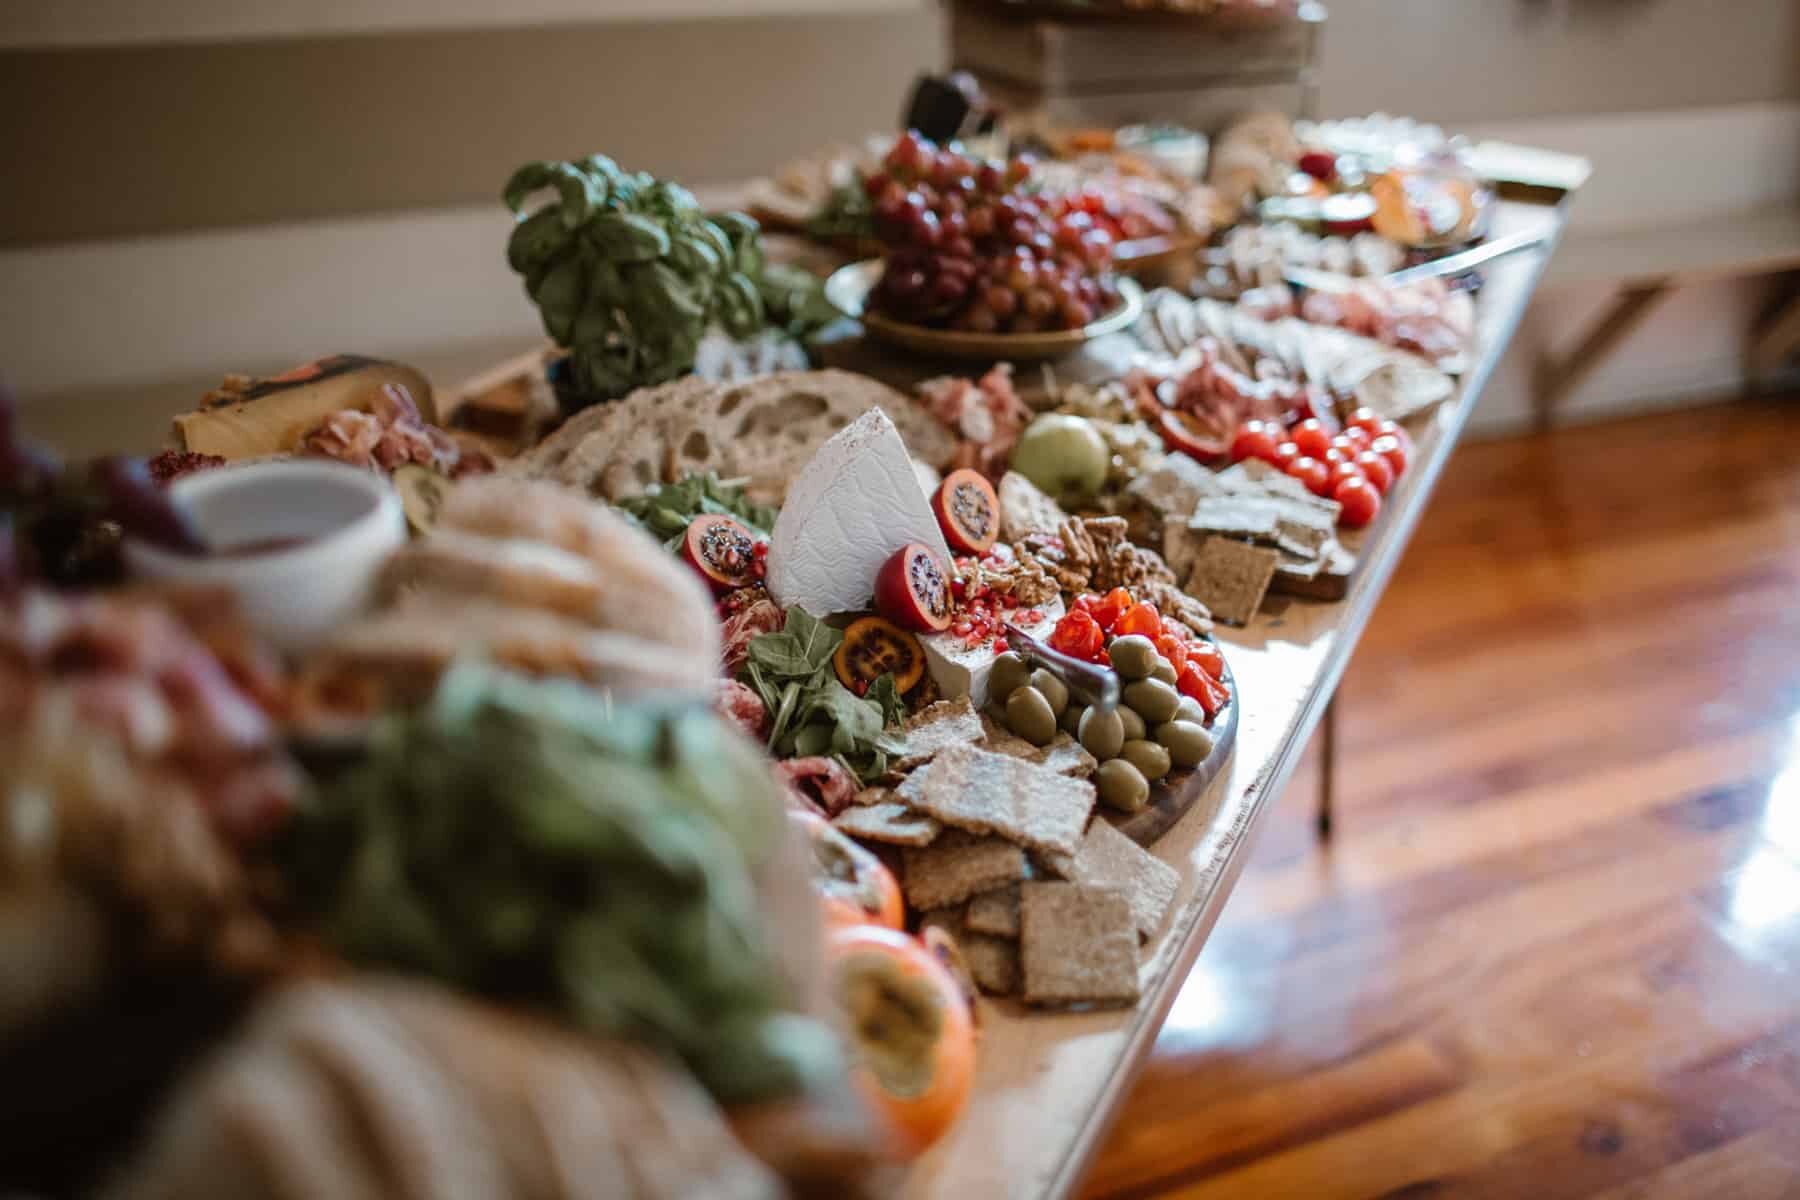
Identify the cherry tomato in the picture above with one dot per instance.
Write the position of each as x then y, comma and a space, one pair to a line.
1360, 502
1334, 455
1310, 471
1078, 635
1312, 437
1379, 471
1254, 440
1357, 436
1173, 649
1343, 471
1392, 449
1366, 419
1285, 454
1112, 606
1207, 657
854, 887
1087, 602
1140, 618
909, 1029
1198, 686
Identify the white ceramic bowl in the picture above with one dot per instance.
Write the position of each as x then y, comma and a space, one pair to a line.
349, 521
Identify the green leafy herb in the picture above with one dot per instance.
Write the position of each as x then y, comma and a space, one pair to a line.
810, 711
666, 511
628, 271
533, 841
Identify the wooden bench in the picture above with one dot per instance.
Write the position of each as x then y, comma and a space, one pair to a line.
1646, 265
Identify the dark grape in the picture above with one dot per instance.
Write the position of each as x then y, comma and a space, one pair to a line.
981, 319
948, 289
990, 177
876, 183
141, 508
961, 247
907, 283
1039, 303
1019, 232
1003, 301
1022, 276
981, 222
908, 152
1075, 314
922, 227
1043, 244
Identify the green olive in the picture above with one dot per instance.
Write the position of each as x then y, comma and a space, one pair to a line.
1134, 724
1008, 675
1054, 689
1188, 744
1154, 700
1102, 734
1070, 721
1189, 710
1028, 714
1133, 656
1151, 760
1122, 786
1164, 670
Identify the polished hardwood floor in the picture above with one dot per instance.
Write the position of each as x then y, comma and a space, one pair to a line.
1553, 949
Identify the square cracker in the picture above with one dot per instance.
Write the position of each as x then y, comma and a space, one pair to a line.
995, 913
956, 866
984, 792
1107, 858
1077, 945
1231, 577
891, 822
993, 962
1065, 756
938, 727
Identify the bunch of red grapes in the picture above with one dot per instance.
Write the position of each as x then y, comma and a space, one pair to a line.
972, 247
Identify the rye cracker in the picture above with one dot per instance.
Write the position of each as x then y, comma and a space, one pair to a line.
956, 866
1077, 945
1231, 578
938, 727
891, 822
1107, 858
995, 913
1023, 802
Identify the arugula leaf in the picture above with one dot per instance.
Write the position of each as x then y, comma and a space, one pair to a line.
811, 711
667, 510
885, 692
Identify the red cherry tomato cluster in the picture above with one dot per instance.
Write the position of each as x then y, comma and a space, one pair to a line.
1355, 467
1093, 620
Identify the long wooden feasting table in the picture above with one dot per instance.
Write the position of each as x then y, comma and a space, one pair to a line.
1048, 1084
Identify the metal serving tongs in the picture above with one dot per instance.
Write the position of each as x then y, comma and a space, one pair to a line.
1451, 264
1091, 684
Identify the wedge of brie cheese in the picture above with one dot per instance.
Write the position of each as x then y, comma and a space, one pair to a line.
854, 504
959, 670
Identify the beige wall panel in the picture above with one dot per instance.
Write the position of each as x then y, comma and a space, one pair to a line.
105, 143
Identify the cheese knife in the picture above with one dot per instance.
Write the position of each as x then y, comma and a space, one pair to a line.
1450, 264
1091, 683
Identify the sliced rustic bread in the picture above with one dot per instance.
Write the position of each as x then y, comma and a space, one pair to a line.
762, 431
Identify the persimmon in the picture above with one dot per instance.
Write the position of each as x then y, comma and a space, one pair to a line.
854, 887
910, 1029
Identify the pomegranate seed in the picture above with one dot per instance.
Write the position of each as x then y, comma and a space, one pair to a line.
1001, 646
961, 628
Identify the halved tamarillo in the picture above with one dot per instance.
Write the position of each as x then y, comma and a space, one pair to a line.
910, 1030
912, 589
722, 550
873, 647
968, 511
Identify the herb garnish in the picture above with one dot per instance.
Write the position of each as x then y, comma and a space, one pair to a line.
666, 511
810, 711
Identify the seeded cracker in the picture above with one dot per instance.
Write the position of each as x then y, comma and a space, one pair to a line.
1077, 945
996, 913
1107, 858
1231, 577
1022, 802
956, 866
993, 962
891, 822
938, 727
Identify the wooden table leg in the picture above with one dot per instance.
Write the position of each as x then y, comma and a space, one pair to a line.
1559, 376
1778, 337
1327, 766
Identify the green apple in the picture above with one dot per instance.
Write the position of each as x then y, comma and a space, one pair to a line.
1064, 455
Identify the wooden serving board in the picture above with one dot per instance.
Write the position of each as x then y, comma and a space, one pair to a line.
1171, 799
